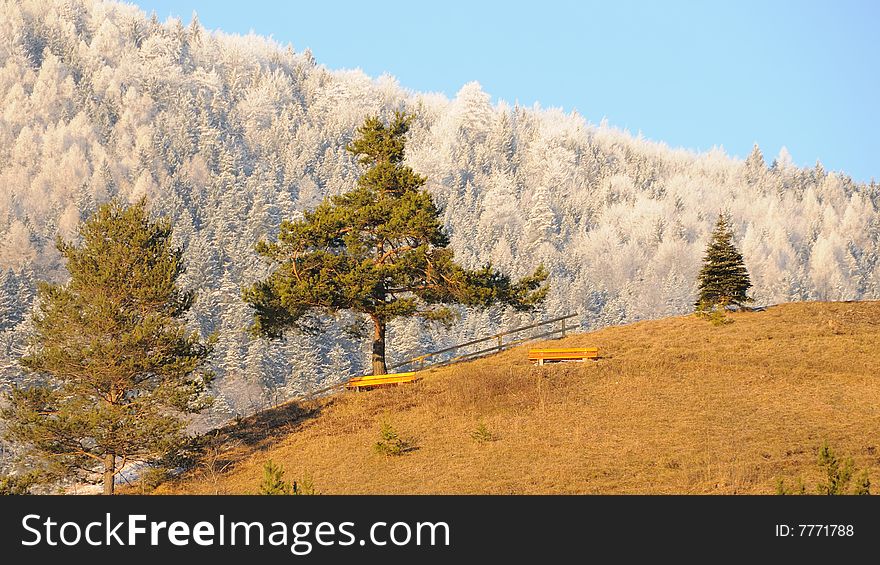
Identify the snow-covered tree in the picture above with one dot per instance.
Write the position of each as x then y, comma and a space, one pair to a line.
228, 134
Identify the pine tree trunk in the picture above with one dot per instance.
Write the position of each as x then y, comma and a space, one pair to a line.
109, 473
379, 347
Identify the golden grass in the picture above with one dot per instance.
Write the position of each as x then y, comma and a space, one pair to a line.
674, 406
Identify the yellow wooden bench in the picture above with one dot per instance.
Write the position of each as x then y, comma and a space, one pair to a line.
370, 381
540, 356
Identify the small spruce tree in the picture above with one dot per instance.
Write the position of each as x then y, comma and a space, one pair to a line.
482, 433
840, 477
304, 487
273, 480
724, 280
390, 443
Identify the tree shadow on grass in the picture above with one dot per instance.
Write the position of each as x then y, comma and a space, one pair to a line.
244, 436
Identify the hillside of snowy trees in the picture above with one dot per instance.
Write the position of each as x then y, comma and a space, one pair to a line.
227, 135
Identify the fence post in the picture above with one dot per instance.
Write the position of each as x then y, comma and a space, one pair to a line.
500, 338
563, 327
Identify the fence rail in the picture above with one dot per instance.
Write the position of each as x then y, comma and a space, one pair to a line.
499, 345
421, 362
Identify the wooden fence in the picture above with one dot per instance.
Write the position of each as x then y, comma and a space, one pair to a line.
498, 344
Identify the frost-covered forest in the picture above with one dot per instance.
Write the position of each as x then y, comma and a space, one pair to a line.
227, 135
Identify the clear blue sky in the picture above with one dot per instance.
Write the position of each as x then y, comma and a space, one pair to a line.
803, 74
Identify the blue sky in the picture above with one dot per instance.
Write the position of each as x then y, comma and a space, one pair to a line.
804, 74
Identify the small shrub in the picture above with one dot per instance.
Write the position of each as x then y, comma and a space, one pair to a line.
715, 314
719, 318
390, 443
798, 488
863, 484
482, 434
273, 480
839, 474
303, 487
838, 480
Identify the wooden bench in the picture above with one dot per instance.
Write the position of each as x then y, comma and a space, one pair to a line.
541, 356
370, 381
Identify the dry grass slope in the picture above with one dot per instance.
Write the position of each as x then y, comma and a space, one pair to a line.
675, 406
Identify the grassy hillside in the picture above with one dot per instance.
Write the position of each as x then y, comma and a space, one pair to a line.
674, 406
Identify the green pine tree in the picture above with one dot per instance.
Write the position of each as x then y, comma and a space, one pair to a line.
840, 477
273, 480
723, 280
117, 366
390, 443
379, 250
